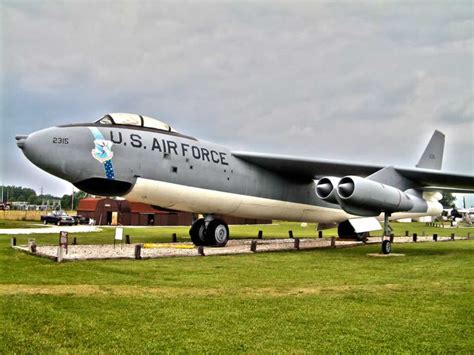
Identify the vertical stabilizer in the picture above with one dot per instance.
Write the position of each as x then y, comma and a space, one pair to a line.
432, 157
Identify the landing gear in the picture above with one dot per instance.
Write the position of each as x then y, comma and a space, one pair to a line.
386, 247
197, 232
346, 231
209, 232
386, 244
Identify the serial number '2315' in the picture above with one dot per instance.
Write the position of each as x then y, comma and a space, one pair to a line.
60, 140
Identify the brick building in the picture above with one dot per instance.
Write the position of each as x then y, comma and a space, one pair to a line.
107, 211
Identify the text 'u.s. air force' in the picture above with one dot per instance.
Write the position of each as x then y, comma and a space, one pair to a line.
171, 147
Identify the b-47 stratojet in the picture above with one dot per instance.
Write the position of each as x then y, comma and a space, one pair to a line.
145, 160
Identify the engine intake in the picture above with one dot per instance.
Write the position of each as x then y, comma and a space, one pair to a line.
325, 189
369, 198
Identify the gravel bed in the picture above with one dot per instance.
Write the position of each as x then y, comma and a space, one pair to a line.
127, 251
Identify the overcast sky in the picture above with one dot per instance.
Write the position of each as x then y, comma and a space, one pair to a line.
358, 81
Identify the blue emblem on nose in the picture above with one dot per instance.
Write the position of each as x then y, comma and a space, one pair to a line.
103, 152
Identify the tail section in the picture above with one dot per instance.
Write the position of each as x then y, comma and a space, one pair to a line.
432, 157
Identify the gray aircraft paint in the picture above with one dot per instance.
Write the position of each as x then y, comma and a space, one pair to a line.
68, 152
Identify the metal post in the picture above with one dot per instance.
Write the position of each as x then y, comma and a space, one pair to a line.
253, 246
201, 250
138, 251
297, 243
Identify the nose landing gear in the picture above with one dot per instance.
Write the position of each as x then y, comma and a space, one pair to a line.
209, 231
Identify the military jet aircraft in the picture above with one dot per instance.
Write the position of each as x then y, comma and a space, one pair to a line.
145, 160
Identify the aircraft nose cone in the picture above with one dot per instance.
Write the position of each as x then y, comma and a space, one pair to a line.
21, 140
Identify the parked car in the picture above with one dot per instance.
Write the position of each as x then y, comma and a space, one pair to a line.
78, 219
59, 218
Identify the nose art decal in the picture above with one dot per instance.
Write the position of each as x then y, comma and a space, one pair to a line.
103, 152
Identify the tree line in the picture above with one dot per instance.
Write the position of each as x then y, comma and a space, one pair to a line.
25, 194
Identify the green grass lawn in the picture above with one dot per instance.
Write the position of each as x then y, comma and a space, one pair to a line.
328, 300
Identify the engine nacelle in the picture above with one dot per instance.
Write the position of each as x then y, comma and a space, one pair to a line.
365, 197
326, 189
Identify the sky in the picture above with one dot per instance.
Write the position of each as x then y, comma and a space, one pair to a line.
354, 81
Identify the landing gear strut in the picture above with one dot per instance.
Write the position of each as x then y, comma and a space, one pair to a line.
386, 244
209, 231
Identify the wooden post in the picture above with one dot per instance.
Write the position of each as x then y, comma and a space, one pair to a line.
74, 241
138, 251
391, 237
59, 258
452, 236
201, 250
415, 237
127, 239
260, 235
290, 234
435, 237
297, 243
175, 238
13, 241
253, 246
333, 242
320, 234
407, 233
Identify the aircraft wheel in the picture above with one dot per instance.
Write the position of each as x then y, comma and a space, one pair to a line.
217, 233
197, 232
362, 237
386, 247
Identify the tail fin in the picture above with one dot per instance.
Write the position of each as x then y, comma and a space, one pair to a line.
432, 157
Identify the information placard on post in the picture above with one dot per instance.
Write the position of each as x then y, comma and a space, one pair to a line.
63, 239
118, 235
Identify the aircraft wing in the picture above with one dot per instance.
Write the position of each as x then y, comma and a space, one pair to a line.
308, 168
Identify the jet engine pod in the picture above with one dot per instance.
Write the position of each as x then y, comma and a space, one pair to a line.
367, 197
326, 189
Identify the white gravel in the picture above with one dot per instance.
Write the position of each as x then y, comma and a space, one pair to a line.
89, 252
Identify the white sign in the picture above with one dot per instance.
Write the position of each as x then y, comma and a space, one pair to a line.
118, 233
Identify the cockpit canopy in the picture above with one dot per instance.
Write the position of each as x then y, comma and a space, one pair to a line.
130, 119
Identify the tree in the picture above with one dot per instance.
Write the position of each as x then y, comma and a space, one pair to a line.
448, 200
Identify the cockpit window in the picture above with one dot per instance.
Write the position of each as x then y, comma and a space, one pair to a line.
152, 123
105, 120
126, 119
129, 119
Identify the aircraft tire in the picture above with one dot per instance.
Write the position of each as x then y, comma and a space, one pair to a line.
217, 233
197, 232
386, 247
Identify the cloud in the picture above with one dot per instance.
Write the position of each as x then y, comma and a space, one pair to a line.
366, 82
